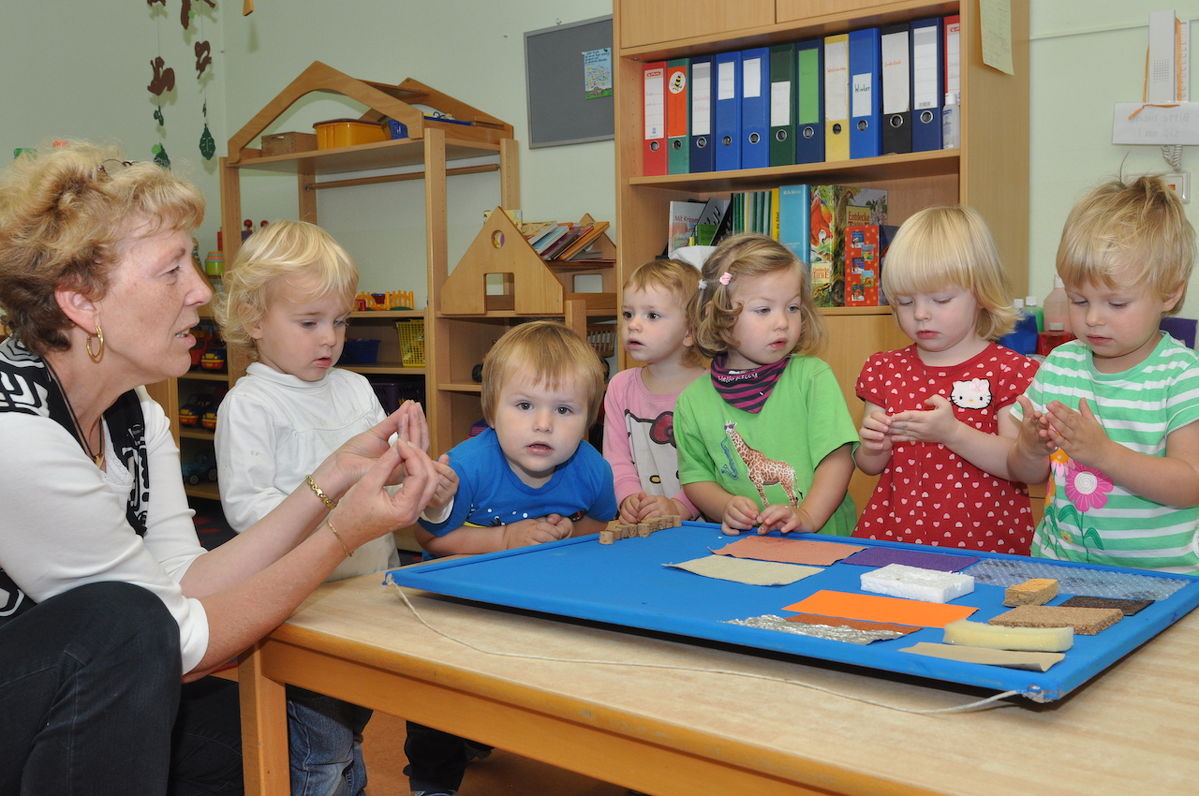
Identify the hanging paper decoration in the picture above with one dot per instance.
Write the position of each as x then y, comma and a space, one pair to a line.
160, 156
185, 11
158, 117
203, 58
162, 3
164, 77
207, 143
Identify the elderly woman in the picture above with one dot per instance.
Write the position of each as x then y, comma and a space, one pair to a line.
107, 600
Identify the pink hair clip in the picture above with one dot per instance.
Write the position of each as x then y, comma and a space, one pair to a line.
725, 278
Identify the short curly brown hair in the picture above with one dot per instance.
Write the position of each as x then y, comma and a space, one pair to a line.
62, 210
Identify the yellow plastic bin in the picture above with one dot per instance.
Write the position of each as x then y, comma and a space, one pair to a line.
347, 132
411, 334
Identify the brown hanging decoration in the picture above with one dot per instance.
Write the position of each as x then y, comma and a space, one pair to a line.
185, 11
203, 57
164, 77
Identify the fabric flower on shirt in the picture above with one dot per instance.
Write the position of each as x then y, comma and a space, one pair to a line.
1086, 487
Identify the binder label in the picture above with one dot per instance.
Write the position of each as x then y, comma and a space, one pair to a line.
780, 104
836, 83
701, 99
655, 104
726, 81
808, 108
861, 94
751, 85
925, 68
897, 86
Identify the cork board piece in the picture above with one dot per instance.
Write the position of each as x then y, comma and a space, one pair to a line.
1085, 621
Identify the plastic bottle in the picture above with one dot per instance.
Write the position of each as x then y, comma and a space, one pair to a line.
1057, 308
1033, 307
951, 130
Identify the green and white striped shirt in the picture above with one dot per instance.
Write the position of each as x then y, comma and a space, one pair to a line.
1087, 517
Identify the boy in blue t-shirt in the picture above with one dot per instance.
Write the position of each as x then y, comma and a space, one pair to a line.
528, 478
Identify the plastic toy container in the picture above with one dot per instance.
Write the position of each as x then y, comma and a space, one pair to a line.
359, 351
347, 132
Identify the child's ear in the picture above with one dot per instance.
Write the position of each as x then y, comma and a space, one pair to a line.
1170, 300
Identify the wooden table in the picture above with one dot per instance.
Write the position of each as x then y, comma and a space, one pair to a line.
677, 730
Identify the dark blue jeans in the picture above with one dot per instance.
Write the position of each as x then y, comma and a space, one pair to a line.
90, 701
89, 689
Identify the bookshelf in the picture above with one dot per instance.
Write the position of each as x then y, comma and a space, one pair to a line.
989, 171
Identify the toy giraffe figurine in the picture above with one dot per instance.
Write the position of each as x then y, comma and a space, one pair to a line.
763, 472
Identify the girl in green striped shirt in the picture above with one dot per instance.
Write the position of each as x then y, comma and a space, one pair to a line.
1110, 417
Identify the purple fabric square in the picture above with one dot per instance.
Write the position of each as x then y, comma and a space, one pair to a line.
881, 556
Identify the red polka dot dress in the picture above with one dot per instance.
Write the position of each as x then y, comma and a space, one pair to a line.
928, 494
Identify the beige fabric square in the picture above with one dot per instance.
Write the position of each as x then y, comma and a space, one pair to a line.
744, 570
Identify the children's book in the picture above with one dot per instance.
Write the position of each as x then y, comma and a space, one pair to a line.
865, 254
831, 208
587, 236
683, 218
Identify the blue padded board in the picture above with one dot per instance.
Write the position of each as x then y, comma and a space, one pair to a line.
626, 584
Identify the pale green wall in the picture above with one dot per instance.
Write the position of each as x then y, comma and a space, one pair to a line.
81, 69
1087, 55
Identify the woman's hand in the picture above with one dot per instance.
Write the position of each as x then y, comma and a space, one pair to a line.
342, 468
368, 509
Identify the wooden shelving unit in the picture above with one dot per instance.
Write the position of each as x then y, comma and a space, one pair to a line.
432, 145
989, 171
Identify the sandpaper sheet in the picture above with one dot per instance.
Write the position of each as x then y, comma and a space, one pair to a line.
1036, 661
789, 551
875, 608
743, 570
1128, 607
881, 556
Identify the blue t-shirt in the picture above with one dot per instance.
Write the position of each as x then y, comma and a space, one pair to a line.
490, 494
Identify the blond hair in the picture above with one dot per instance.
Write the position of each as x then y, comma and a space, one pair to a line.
712, 311
1137, 228
547, 352
293, 250
676, 277
63, 210
944, 246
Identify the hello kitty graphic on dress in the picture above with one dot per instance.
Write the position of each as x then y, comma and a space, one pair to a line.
972, 394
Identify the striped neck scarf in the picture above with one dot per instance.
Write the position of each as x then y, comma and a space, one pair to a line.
746, 389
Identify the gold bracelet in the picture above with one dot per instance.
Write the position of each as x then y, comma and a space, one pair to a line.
340, 541
320, 493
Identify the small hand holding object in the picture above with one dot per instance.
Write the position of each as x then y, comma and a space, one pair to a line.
659, 506
740, 514
630, 508
1034, 430
1079, 434
549, 528
876, 432
925, 425
783, 518
447, 482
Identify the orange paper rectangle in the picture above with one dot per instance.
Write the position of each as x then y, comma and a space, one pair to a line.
874, 608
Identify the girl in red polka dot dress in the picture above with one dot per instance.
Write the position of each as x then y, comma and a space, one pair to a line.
936, 427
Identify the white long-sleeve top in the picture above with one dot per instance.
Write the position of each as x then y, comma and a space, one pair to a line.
273, 429
63, 523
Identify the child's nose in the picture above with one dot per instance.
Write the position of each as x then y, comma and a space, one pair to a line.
543, 420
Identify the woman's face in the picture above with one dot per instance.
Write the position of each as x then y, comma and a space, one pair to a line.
152, 303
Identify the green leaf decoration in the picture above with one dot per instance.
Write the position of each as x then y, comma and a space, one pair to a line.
160, 156
207, 144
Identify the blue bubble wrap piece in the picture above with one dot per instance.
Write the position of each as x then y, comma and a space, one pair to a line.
1076, 580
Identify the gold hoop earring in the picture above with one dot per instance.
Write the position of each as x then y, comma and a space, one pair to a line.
98, 354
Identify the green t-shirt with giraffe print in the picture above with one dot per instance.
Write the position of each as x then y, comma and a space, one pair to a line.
772, 454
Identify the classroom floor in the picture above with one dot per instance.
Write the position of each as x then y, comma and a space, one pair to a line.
501, 773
